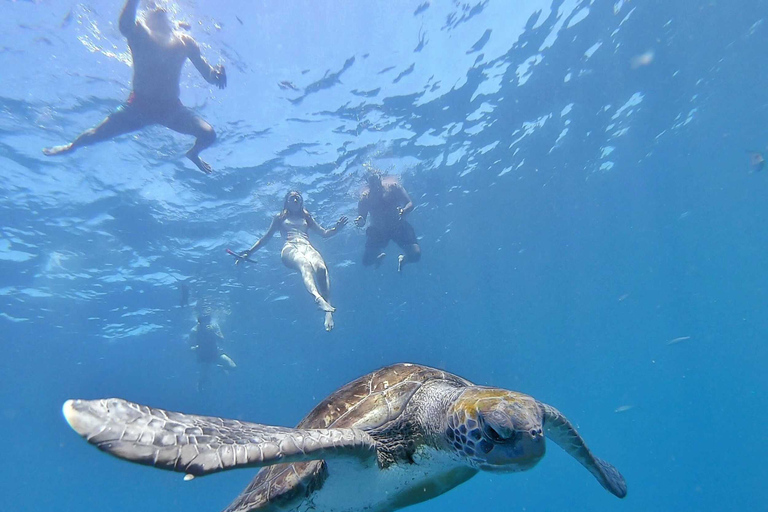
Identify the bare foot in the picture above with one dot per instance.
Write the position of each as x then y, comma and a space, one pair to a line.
400, 260
200, 163
329, 322
323, 304
379, 259
58, 150
228, 361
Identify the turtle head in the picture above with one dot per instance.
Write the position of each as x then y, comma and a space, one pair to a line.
496, 429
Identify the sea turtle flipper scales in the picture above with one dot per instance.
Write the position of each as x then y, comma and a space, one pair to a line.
561, 431
200, 445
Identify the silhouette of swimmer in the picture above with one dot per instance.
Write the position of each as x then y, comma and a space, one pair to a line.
756, 161
184, 301
298, 253
204, 340
158, 54
388, 203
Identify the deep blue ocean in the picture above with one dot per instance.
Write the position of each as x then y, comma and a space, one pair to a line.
592, 234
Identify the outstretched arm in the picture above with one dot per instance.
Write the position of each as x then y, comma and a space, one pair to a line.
213, 75
263, 240
127, 20
326, 233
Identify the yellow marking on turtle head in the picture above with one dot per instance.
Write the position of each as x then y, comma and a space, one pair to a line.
472, 399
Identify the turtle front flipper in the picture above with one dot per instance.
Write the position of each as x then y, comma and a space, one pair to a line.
200, 445
559, 429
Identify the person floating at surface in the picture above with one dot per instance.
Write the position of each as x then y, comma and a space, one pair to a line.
298, 253
204, 340
388, 203
158, 54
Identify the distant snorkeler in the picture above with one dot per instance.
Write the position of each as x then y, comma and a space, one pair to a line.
298, 253
184, 289
204, 340
388, 203
158, 54
756, 161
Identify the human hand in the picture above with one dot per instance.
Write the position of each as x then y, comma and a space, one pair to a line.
219, 75
341, 222
243, 257
359, 221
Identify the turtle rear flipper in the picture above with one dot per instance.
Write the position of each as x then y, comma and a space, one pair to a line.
561, 431
201, 445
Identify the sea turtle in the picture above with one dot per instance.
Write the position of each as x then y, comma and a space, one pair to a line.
398, 436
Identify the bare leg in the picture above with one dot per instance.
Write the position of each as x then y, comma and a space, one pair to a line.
203, 376
412, 255
300, 255
123, 120
373, 256
324, 285
226, 362
186, 121
308, 276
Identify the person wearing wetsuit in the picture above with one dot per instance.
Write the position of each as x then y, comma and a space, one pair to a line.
158, 54
388, 203
298, 253
204, 340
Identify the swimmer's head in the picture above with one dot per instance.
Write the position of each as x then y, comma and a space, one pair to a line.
293, 201
204, 319
374, 183
156, 18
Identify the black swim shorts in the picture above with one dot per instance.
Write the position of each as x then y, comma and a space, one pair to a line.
402, 234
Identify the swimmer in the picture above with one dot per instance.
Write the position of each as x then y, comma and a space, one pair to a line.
756, 161
184, 300
204, 340
388, 203
298, 253
158, 54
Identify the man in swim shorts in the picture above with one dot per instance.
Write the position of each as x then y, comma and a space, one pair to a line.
204, 340
158, 54
388, 203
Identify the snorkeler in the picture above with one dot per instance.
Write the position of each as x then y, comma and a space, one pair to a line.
204, 340
298, 253
158, 54
388, 203
756, 161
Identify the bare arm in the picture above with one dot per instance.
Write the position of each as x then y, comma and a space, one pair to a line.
127, 22
406, 199
362, 210
216, 76
326, 233
264, 239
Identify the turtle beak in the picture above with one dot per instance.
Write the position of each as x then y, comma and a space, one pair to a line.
519, 455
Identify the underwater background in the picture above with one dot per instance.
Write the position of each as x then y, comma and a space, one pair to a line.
591, 232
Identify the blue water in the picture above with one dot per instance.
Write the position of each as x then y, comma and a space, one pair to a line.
583, 199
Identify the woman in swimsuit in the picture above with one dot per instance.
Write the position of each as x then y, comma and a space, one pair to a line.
298, 253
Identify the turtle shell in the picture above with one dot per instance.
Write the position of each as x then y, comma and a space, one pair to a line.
366, 403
